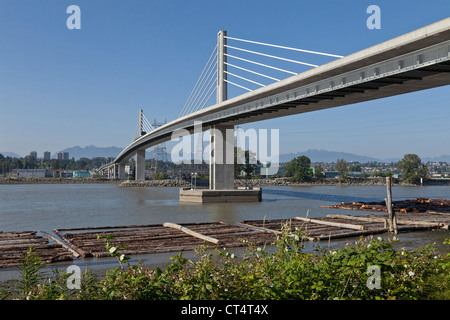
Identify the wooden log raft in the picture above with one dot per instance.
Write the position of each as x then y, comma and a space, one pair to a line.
14, 246
415, 205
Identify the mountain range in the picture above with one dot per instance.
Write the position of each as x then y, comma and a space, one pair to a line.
315, 155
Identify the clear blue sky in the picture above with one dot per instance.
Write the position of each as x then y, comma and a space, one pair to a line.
60, 88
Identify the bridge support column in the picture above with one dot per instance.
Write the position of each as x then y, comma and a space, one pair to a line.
221, 167
121, 171
140, 165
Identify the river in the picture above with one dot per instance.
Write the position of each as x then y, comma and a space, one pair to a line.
44, 207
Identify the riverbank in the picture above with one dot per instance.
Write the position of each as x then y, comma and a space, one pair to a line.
281, 182
277, 182
57, 181
268, 182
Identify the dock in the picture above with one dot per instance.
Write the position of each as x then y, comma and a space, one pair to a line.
69, 243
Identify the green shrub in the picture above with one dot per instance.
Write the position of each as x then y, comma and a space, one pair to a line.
258, 273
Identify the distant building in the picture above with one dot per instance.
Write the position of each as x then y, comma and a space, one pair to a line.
47, 155
334, 174
81, 174
331, 174
63, 156
30, 173
33, 154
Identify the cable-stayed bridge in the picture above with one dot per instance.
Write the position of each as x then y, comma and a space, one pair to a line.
414, 61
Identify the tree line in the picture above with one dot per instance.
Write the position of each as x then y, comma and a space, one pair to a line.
8, 164
300, 169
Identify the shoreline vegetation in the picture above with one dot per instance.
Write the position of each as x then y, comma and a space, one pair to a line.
368, 269
254, 182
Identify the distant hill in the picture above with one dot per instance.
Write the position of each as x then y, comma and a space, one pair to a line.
10, 154
443, 158
90, 152
326, 156
332, 156
315, 155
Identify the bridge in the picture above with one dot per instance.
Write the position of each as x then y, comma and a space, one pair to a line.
415, 61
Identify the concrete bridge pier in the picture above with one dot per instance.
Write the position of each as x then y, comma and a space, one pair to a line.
221, 168
140, 165
221, 173
111, 170
121, 171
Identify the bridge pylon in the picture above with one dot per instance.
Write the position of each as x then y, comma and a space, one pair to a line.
221, 170
221, 165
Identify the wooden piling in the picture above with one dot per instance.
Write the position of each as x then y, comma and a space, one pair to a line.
391, 213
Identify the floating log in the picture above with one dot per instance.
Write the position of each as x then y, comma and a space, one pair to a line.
269, 230
347, 234
76, 254
334, 224
81, 252
190, 232
110, 227
438, 212
399, 221
421, 223
358, 218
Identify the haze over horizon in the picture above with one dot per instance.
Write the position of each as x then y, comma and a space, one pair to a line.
316, 155
62, 87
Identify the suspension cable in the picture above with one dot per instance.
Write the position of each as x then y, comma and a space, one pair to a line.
235, 75
254, 72
208, 95
237, 85
260, 64
199, 92
288, 48
214, 53
199, 97
272, 56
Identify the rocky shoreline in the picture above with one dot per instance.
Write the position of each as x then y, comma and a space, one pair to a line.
274, 182
256, 183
